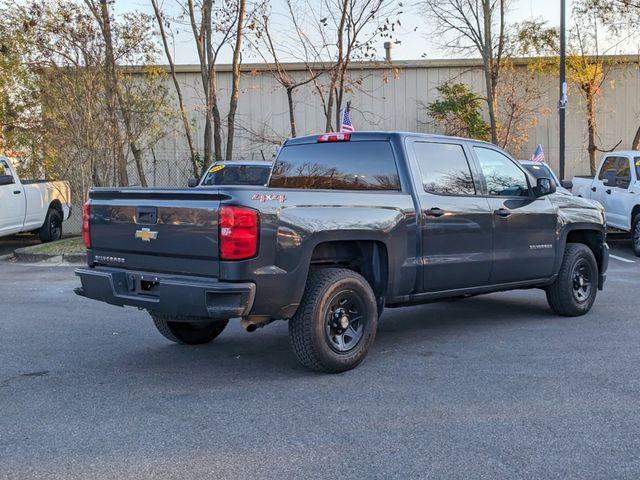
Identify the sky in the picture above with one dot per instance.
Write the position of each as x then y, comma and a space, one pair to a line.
414, 44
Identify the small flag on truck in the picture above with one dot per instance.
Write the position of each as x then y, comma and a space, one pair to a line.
346, 125
538, 155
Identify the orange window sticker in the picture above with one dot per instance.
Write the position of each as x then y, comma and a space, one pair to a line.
216, 168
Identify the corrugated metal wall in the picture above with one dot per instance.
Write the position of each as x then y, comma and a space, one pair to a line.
393, 99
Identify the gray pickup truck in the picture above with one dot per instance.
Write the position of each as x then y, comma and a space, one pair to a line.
348, 224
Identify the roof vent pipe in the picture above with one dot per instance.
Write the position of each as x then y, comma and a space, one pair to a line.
387, 51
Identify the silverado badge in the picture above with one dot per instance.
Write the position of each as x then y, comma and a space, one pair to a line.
146, 235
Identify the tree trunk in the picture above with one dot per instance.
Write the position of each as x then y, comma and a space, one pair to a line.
635, 145
111, 85
292, 116
592, 130
183, 113
235, 80
489, 73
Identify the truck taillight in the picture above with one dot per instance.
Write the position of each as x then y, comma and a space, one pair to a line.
86, 236
238, 233
334, 137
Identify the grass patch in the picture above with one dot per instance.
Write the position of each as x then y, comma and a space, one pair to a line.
66, 245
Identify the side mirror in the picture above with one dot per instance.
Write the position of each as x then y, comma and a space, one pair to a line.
193, 182
544, 186
568, 184
6, 179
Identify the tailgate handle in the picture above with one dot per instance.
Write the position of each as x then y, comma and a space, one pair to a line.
147, 215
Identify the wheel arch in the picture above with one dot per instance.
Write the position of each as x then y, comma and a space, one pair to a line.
589, 235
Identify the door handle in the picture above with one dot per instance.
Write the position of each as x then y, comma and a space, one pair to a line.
609, 191
17, 192
502, 212
593, 189
434, 212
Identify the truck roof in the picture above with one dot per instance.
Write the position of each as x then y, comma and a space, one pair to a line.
382, 135
626, 153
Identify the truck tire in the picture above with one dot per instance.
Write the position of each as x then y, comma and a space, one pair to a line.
574, 290
635, 235
181, 330
336, 322
51, 229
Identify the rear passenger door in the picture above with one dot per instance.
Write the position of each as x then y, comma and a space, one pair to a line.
455, 221
524, 227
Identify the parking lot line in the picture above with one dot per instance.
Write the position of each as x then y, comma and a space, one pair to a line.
621, 259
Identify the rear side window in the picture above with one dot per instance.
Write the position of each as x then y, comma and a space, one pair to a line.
336, 166
4, 169
444, 169
636, 162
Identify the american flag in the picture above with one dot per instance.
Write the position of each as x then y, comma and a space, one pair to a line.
346, 125
538, 155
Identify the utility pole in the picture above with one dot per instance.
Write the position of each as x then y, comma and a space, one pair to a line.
562, 104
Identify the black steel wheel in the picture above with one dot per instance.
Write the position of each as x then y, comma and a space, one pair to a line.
51, 229
574, 290
635, 235
335, 324
188, 330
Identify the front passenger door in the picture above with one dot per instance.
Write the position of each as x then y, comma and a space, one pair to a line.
12, 202
524, 227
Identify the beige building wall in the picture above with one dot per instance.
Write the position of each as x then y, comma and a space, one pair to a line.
391, 97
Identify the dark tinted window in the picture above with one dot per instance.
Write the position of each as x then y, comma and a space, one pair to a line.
539, 171
4, 169
444, 169
502, 175
609, 165
636, 162
336, 166
237, 175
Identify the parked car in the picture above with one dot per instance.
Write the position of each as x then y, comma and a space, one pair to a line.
617, 187
32, 205
541, 170
239, 172
348, 224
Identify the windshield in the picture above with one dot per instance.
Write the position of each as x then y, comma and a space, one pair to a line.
540, 171
221, 174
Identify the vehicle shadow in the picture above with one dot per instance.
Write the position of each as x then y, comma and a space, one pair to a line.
266, 354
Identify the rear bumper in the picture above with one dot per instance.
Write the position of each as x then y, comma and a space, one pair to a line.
165, 293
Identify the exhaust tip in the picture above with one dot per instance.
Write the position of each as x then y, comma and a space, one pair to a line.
251, 327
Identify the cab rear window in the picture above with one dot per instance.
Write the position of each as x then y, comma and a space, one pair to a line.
337, 166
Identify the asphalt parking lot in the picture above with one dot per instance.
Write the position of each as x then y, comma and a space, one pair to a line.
487, 387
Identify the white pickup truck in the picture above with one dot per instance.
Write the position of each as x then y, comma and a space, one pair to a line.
617, 187
32, 206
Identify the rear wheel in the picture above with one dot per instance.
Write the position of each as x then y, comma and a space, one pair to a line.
635, 235
574, 291
51, 229
188, 330
336, 322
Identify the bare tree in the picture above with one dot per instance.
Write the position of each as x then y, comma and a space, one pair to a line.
235, 77
102, 15
211, 33
271, 51
474, 26
172, 68
339, 32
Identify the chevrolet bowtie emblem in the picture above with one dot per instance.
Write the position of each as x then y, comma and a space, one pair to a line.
146, 235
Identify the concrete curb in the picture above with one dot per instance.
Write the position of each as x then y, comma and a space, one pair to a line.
27, 255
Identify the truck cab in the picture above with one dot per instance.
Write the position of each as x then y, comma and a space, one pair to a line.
32, 205
616, 187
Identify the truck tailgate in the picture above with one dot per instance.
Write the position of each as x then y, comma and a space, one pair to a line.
151, 229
